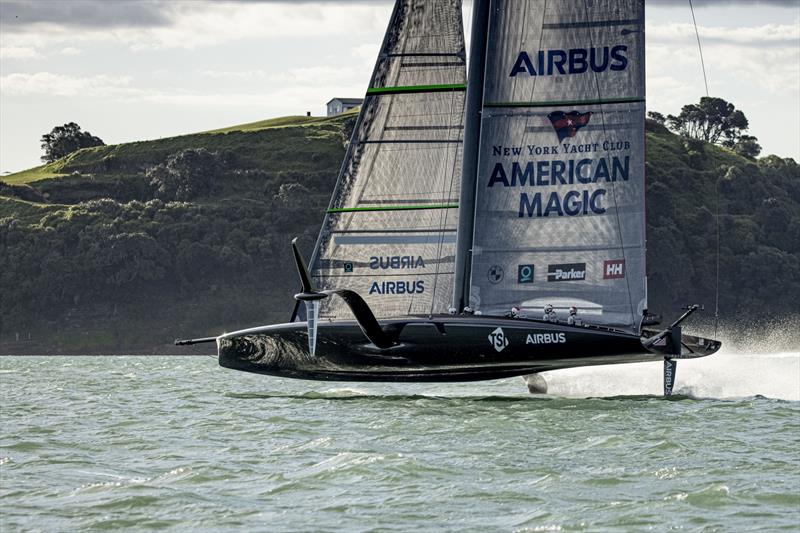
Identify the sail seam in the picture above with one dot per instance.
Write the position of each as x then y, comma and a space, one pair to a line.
446, 230
377, 91
392, 208
424, 54
412, 141
553, 103
590, 24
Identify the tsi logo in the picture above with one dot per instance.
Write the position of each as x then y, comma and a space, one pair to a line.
498, 339
614, 269
567, 272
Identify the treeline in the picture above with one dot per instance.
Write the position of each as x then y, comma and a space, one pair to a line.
196, 242
699, 195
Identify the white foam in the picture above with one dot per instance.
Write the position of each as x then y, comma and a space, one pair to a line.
726, 374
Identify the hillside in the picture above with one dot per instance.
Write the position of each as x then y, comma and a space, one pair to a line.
120, 249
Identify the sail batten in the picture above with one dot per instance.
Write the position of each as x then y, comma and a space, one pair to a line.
598, 101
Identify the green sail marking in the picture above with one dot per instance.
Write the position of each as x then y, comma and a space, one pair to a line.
555, 103
372, 91
392, 208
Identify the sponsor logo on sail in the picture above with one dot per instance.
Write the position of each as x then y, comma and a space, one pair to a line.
396, 262
496, 274
397, 287
546, 338
567, 272
498, 340
543, 173
572, 61
568, 124
525, 273
614, 269
348, 267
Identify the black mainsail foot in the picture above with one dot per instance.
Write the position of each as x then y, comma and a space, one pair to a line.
486, 228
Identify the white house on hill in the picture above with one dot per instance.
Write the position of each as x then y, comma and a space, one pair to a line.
340, 105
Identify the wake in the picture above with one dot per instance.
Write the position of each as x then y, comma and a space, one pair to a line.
760, 360
726, 374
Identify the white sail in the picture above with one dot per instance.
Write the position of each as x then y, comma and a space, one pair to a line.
560, 183
389, 233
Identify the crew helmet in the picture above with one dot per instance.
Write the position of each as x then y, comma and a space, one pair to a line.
573, 310
548, 308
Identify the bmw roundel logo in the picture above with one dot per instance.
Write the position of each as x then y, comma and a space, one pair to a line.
496, 274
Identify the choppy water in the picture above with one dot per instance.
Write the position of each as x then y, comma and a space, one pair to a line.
100, 443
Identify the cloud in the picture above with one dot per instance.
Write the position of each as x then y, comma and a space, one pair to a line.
21, 15
755, 36
19, 52
235, 74
707, 3
18, 15
122, 89
321, 75
191, 25
765, 56
48, 83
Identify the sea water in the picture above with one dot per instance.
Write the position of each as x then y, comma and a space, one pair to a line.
178, 443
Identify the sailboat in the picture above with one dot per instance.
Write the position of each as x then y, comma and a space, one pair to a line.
484, 226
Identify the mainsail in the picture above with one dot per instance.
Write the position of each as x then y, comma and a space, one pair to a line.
559, 206
389, 233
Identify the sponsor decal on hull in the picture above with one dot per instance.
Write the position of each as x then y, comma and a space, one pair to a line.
546, 338
498, 340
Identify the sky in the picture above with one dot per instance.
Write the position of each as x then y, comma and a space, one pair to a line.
129, 70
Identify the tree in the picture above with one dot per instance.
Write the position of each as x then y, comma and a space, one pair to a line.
185, 174
712, 120
656, 116
63, 140
747, 146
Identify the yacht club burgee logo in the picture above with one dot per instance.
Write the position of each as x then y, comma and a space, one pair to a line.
568, 124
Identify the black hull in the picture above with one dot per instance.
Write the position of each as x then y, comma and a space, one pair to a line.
437, 349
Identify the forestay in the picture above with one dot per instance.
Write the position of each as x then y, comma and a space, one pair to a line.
389, 233
560, 186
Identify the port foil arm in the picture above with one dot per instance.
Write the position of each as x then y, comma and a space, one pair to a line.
380, 337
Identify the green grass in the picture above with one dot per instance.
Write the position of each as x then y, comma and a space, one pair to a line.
283, 122
32, 174
279, 144
24, 211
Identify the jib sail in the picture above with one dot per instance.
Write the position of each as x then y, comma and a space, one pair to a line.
389, 233
560, 182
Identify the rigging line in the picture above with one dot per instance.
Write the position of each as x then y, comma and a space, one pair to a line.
443, 215
613, 184
716, 183
716, 288
700, 48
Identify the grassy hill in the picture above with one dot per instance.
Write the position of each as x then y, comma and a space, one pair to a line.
120, 249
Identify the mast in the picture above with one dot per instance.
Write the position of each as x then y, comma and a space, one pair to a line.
472, 135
